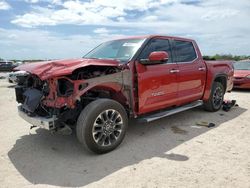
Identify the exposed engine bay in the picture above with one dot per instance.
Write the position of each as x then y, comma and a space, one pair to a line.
92, 72
62, 97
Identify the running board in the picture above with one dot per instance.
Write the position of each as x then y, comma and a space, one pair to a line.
166, 113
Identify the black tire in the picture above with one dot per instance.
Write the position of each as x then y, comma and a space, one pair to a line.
216, 98
95, 129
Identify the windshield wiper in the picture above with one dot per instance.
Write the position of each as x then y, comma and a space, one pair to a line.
102, 58
91, 58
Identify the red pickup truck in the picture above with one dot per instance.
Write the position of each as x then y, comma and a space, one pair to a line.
146, 77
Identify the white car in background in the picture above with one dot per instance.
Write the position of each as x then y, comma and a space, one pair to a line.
17, 77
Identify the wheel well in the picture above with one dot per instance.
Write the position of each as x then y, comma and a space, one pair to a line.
95, 94
222, 80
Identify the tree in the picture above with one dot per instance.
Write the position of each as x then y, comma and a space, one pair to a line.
226, 57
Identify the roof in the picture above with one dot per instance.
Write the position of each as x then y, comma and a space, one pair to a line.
152, 36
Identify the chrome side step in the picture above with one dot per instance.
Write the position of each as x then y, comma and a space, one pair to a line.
166, 113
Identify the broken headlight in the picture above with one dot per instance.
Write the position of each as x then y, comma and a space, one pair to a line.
45, 88
65, 87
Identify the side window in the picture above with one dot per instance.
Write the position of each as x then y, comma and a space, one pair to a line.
184, 51
156, 45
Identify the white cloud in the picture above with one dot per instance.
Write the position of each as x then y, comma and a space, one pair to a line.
102, 30
150, 18
38, 44
218, 26
131, 4
82, 13
31, 1
55, 2
12, 36
4, 5
218, 14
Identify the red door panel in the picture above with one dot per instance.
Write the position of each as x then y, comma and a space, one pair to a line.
191, 81
157, 86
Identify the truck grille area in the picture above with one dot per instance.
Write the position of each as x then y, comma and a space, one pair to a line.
30, 95
32, 99
19, 94
33, 94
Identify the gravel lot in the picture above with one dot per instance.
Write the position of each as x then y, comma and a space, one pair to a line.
171, 152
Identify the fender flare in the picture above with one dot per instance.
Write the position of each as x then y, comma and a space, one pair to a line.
208, 89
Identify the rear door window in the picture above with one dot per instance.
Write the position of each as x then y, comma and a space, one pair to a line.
185, 51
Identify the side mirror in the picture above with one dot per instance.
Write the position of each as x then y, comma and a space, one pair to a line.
158, 57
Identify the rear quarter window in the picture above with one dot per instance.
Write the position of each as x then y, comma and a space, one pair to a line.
185, 51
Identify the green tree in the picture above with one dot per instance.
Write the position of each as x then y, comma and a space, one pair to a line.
226, 57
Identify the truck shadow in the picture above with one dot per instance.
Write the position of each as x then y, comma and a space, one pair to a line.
241, 90
59, 160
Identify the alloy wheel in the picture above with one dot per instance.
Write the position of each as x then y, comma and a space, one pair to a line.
107, 127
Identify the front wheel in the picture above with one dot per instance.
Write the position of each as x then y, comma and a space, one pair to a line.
216, 98
102, 125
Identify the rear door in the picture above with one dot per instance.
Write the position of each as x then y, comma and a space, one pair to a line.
191, 76
157, 86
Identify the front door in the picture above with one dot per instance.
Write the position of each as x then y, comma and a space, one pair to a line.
157, 84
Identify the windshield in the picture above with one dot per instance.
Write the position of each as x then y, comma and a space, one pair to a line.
243, 65
122, 50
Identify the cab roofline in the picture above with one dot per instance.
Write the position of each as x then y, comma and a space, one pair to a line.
153, 36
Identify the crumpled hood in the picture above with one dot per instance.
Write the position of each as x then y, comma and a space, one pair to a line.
241, 73
48, 69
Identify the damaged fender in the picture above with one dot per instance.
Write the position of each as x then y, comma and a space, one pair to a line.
118, 83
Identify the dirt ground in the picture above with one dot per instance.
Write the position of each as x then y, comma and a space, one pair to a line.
171, 152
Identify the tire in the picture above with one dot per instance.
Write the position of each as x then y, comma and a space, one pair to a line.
216, 98
102, 125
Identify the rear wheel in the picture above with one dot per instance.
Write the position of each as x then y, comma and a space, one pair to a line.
216, 98
102, 125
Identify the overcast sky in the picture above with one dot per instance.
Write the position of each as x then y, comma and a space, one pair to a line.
41, 29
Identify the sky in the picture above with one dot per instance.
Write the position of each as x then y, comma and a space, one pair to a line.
56, 29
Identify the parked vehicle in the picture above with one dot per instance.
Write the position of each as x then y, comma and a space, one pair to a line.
242, 74
146, 78
17, 77
19, 63
7, 65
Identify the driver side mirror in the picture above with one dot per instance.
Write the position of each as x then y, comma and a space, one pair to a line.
158, 57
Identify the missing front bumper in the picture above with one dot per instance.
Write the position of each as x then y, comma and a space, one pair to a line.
38, 121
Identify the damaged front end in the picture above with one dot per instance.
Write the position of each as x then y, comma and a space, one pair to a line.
56, 102
30, 96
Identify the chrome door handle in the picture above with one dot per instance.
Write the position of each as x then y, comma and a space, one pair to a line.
202, 69
174, 71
